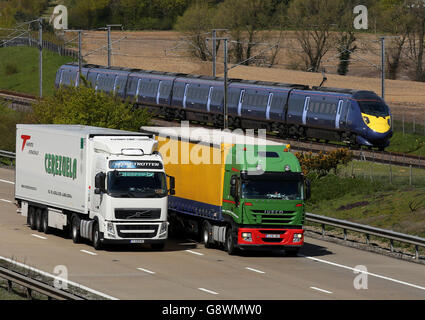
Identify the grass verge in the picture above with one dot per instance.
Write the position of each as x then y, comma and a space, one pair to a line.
19, 69
375, 203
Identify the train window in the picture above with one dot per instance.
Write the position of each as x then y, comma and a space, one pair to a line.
165, 89
322, 107
374, 108
277, 103
217, 96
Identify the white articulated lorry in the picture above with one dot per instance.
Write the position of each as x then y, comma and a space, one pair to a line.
105, 185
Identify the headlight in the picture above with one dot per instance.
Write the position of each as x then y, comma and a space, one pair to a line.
163, 227
110, 228
297, 237
366, 119
247, 236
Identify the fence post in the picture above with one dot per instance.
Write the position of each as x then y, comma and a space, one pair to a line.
411, 176
402, 120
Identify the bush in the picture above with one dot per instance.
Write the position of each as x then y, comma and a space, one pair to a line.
323, 163
8, 120
82, 105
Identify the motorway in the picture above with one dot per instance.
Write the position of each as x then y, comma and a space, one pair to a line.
187, 270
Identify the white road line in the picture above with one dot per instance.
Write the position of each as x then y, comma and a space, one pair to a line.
89, 252
46, 274
208, 291
4, 200
321, 290
37, 236
368, 273
5, 181
145, 270
194, 252
255, 270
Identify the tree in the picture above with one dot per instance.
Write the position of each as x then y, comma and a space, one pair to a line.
313, 21
247, 21
394, 18
416, 34
195, 24
82, 105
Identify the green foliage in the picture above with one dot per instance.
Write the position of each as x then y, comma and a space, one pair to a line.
25, 59
8, 120
407, 143
82, 105
10, 68
322, 163
333, 187
132, 14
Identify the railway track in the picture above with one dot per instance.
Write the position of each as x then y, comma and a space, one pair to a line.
401, 159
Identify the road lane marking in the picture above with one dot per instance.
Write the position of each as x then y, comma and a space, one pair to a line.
255, 270
72, 283
321, 290
4, 200
368, 273
89, 252
37, 236
207, 291
146, 270
194, 252
6, 181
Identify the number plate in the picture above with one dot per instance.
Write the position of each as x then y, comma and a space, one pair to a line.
137, 241
272, 235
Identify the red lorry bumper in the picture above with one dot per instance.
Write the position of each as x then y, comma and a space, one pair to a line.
270, 237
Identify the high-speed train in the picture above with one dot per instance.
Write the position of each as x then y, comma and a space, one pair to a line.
355, 117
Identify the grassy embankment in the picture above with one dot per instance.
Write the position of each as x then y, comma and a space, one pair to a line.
19, 69
369, 197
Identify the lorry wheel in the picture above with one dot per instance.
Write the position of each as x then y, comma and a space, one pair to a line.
158, 246
230, 243
38, 222
45, 222
207, 234
96, 237
75, 230
31, 217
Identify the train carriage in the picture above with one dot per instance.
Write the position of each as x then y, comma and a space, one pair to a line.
356, 117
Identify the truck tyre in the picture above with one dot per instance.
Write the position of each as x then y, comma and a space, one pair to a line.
158, 246
207, 234
75, 230
38, 217
230, 242
31, 217
97, 244
45, 222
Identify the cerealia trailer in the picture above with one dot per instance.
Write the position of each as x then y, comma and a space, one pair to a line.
232, 189
105, 185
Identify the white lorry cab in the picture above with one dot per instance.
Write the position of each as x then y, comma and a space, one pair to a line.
105, 185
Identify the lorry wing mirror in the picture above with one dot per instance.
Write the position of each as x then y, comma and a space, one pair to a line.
99, 182
307, 189
172, 185
234, 189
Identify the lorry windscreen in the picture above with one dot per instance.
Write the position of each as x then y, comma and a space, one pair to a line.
137, 184
272, 189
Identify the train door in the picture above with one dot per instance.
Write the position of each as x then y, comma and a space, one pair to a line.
185, 95
343, 114
305, 110
338, 114
209, 98
269, 103
240, 102
158, 92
